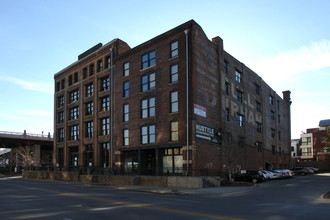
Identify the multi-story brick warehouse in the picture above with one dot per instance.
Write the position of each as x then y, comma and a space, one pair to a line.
136, 110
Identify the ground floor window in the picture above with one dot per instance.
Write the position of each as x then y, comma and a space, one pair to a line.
131, 164
60, 157
74, 156
88, 155
172, 161
105, 154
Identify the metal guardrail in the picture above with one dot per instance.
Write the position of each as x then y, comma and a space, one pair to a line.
26, 134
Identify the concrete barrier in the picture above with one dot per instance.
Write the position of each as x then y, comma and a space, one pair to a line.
154, 181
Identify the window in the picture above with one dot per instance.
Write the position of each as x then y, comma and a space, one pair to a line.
226, 67
306, 141
126, 112
239, 96
91, 69
148, 82
105, 126
99, 65
89, 129
258, 127
227, 114
75, 77
60, 101
257, 89
240, 120
174, 101
126, 69
172, 160
148, 59
60, 135
107, 62
279, 135
58, 86
174, 49
273, 150
105, 154
105, 83
60, 117
74, 113
85, 72
272, 132
279, 118
306, 151
174, 73
238, 76
105, 103
74, 96
258, 107
89, 90
126, 137
126, 89
70, 80
74, 132
62, 83
259, 146
272, 115
174, 131
89, 108
148, 134
148, 107
271, 100
88, 155
227, 88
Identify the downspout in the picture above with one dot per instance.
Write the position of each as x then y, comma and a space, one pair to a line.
187, 98
111, 108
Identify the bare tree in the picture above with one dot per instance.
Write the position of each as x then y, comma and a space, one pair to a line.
25, 155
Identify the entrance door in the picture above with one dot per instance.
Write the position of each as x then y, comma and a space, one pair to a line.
148, 160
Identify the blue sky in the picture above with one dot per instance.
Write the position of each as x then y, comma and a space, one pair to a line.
287, 43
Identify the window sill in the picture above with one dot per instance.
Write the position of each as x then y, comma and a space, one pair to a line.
173, 58
148, 68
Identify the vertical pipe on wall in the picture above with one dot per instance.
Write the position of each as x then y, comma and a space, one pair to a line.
111, 109
187, 99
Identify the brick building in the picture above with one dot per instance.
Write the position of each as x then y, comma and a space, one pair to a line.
315, 143
135, 110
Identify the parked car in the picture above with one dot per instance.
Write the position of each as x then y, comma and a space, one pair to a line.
286, 173
254, 176
300, 171
279, 173
275, 175
315, 170
269, 175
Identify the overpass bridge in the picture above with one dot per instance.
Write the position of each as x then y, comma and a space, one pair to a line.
40, 149
10, 139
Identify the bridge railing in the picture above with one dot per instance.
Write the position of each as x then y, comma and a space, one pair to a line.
26, 134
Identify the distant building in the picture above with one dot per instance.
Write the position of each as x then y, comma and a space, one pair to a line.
315, 143
295, 143
135, 110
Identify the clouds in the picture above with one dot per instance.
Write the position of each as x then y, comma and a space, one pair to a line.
38, 113
286, 64
305, 115
32, 86
11, 116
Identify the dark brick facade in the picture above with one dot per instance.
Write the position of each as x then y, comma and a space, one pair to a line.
157, 137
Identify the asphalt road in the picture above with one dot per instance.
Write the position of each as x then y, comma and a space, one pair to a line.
296, 198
